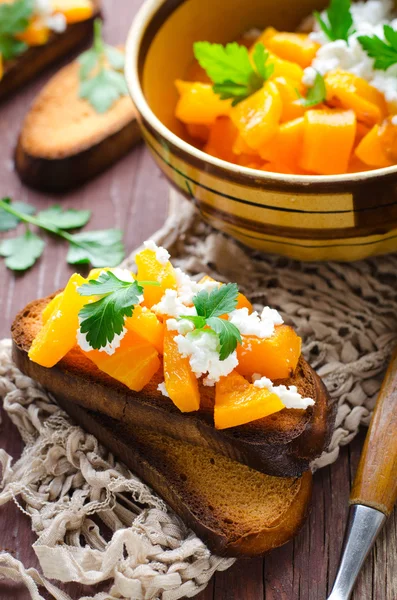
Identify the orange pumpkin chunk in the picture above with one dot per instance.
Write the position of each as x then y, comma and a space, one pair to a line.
257, 118
51, 308
328, 141
198, 132
181, 384
146, 324
238, 402
36, 34
295, 47
371, 151
222, 137
59, 334
285, 68
292, 108
285, 148
199, 104
275, 357
74, 10
352, 92
150, 269
134, 363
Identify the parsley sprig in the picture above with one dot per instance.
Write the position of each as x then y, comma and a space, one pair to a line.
383, 52
338, 24
102, 320
231, 70
102, 79
98, 248
14, 19
316, 94
210, 306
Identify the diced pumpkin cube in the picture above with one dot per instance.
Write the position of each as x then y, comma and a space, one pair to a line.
199, 104
238, 402
241, 147
181, 384
59, 334
357, 166
36, 34
371, 151
346, 90
51, 308
257, 117
328, 141
198, 132
146, 324
150, 269
222, 137
275, 357
285, 68
295, 47
134, 363
289, 90
388, 137
286, 146
74, 10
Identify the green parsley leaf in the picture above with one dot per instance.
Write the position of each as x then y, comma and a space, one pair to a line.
102, 79
339, 23
383, 52
316, 94
100, 248
231, 70
8, 221
229, 335
14, 18
64, 219
22, 252
102, 320
210, 307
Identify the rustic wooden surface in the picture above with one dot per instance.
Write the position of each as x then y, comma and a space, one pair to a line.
133, 196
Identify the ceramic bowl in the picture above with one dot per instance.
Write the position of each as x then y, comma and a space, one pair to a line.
340, 217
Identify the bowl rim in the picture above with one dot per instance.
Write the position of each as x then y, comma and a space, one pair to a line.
142, 20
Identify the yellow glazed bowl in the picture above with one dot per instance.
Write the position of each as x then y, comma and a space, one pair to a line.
342, 217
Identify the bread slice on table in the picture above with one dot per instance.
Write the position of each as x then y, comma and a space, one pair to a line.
235, 510
283, 444
65, 142
25, 67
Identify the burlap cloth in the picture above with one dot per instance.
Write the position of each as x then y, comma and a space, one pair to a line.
69, 485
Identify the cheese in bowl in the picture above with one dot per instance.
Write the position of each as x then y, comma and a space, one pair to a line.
323, 102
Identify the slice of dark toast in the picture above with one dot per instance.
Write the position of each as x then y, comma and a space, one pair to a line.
64, 142
283, 444
25, 67
235, 510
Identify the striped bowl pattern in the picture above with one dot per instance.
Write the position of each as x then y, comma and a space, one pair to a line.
343, 217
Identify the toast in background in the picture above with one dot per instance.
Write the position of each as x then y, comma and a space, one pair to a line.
235, 510
283, 444
26, 66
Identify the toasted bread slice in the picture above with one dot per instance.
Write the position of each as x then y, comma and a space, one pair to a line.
235, 510
19, 71
282, 444
65, 142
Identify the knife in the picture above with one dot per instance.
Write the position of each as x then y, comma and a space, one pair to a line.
374, 491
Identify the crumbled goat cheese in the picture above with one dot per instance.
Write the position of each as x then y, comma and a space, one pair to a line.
54, 21
289, 396
162, 255
183, 327
369, 18
188, 288
161, 388
201, 348
172, 306
110, 347
253, 324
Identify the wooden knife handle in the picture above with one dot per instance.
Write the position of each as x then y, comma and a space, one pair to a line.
375, 484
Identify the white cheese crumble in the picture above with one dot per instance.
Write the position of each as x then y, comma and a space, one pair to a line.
369, 18
161, 388
171, 305
183, 327
188, 288
110, 347
54, 21
289, 396
253, 324
202, 350
162, 255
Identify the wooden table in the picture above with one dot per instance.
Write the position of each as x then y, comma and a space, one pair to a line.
133, 196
